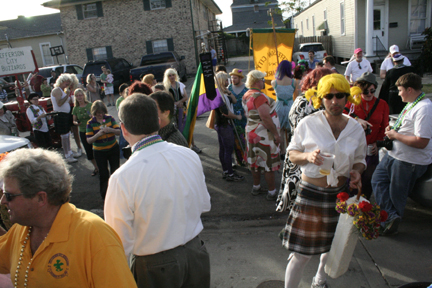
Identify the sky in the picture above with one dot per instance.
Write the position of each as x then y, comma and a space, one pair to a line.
33, 7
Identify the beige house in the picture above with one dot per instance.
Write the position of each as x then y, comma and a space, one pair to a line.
132, 28
373, 25
39, 32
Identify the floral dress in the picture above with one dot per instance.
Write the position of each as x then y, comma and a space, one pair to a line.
262, 153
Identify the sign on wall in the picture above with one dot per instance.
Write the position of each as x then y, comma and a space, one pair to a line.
16, 61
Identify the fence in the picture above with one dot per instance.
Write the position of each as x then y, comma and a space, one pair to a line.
237, 46
325, 40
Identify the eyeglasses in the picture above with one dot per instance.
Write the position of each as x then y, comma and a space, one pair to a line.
366, 92
9, 197
338, 96
359, 66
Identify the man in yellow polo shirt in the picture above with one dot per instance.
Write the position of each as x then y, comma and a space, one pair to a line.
54, 244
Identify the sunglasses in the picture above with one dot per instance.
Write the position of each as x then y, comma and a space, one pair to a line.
359, 66
338, 96
366, 92
9, 197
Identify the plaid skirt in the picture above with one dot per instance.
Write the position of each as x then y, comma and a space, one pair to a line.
62, 123
312, 222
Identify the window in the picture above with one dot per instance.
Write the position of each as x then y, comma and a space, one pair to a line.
46, 54
160, 46
302, 28
99, 53
342, 17
307, 24
256, 8
157, 4
325, 14
89, 11
418, 16
205, 13
313, 24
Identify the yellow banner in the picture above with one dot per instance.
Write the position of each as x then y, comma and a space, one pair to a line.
264, 52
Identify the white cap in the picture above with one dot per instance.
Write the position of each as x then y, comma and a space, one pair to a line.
398, 57
394, 49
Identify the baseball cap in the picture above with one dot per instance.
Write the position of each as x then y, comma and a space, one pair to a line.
356, 51
394, 49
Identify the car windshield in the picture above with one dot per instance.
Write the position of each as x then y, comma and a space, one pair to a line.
94, 69
45, 72
315, 48
153, 59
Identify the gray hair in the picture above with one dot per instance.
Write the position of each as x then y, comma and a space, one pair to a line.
253, 77
38, 170
62, 78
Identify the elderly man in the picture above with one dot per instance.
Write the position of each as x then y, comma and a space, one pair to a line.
389, 91
410, 154
356, 68
54, 244
155, 201
388, 64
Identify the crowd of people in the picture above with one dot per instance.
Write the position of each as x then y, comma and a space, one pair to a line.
317, 113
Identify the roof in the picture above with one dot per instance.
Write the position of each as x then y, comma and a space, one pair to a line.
56, 4
249, 2
247, 18
24, 27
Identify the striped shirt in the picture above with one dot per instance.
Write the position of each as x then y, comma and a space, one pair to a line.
104, 142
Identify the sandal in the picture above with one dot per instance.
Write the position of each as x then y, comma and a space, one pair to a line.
95, 172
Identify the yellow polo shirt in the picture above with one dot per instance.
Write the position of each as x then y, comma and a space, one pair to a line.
81, 250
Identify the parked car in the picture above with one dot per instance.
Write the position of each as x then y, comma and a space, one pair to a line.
304, 48
59, 69
157, 63
119, 68
11, 143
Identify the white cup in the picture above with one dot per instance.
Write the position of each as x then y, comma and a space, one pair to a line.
327, 163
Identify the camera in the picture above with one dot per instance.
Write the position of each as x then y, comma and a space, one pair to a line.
368, 130
386, 143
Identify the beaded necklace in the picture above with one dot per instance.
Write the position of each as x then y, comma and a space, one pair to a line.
401, 116
21, 259
145, 142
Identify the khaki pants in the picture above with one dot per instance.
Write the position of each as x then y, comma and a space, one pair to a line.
185, 266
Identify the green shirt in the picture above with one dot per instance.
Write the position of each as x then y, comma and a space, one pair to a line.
103, 77
83, 115
119, 100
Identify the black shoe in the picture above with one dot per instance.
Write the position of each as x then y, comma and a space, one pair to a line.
224, 175
234, 177
392, 227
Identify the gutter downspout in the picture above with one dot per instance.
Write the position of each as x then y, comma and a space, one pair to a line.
193, 35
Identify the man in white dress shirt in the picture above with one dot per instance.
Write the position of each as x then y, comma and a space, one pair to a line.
357, 67
155, 201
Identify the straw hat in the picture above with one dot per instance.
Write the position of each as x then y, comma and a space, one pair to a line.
237, 72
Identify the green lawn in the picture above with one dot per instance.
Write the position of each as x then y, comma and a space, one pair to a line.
427, 88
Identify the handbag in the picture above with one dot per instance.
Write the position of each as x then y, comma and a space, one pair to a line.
211, 120
344, 242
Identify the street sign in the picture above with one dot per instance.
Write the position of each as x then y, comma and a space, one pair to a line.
16, 61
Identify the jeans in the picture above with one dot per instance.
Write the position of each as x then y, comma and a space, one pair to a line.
226, 146
87, 147
392, 182
103, 158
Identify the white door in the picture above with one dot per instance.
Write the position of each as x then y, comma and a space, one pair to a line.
379, 29
48, 60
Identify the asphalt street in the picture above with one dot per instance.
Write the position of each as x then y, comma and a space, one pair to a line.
241, 230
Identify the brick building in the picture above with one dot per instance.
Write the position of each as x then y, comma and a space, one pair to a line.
131, 28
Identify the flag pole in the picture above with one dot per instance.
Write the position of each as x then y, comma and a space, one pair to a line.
274, 34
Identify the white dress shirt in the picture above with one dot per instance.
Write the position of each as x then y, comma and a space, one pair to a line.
33, 120
314, 132
353, 69
155, 200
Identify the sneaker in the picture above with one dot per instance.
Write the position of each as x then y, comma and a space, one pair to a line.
271, 197
77, 154
315, 285
71, 160
196, 149
392, 227
224, 175
234, 177
259, 191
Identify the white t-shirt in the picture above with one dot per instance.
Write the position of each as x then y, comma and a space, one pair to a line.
314, 132
417, 122
155, 200
65, 108
387, 64
353, 70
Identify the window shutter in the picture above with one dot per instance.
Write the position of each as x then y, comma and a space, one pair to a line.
79, 12
99, 9
146, 5
170, 43
168, 3
89, 51
109, 52
149, 46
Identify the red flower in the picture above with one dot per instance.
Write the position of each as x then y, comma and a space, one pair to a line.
343, 196
383, 215
365, 206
